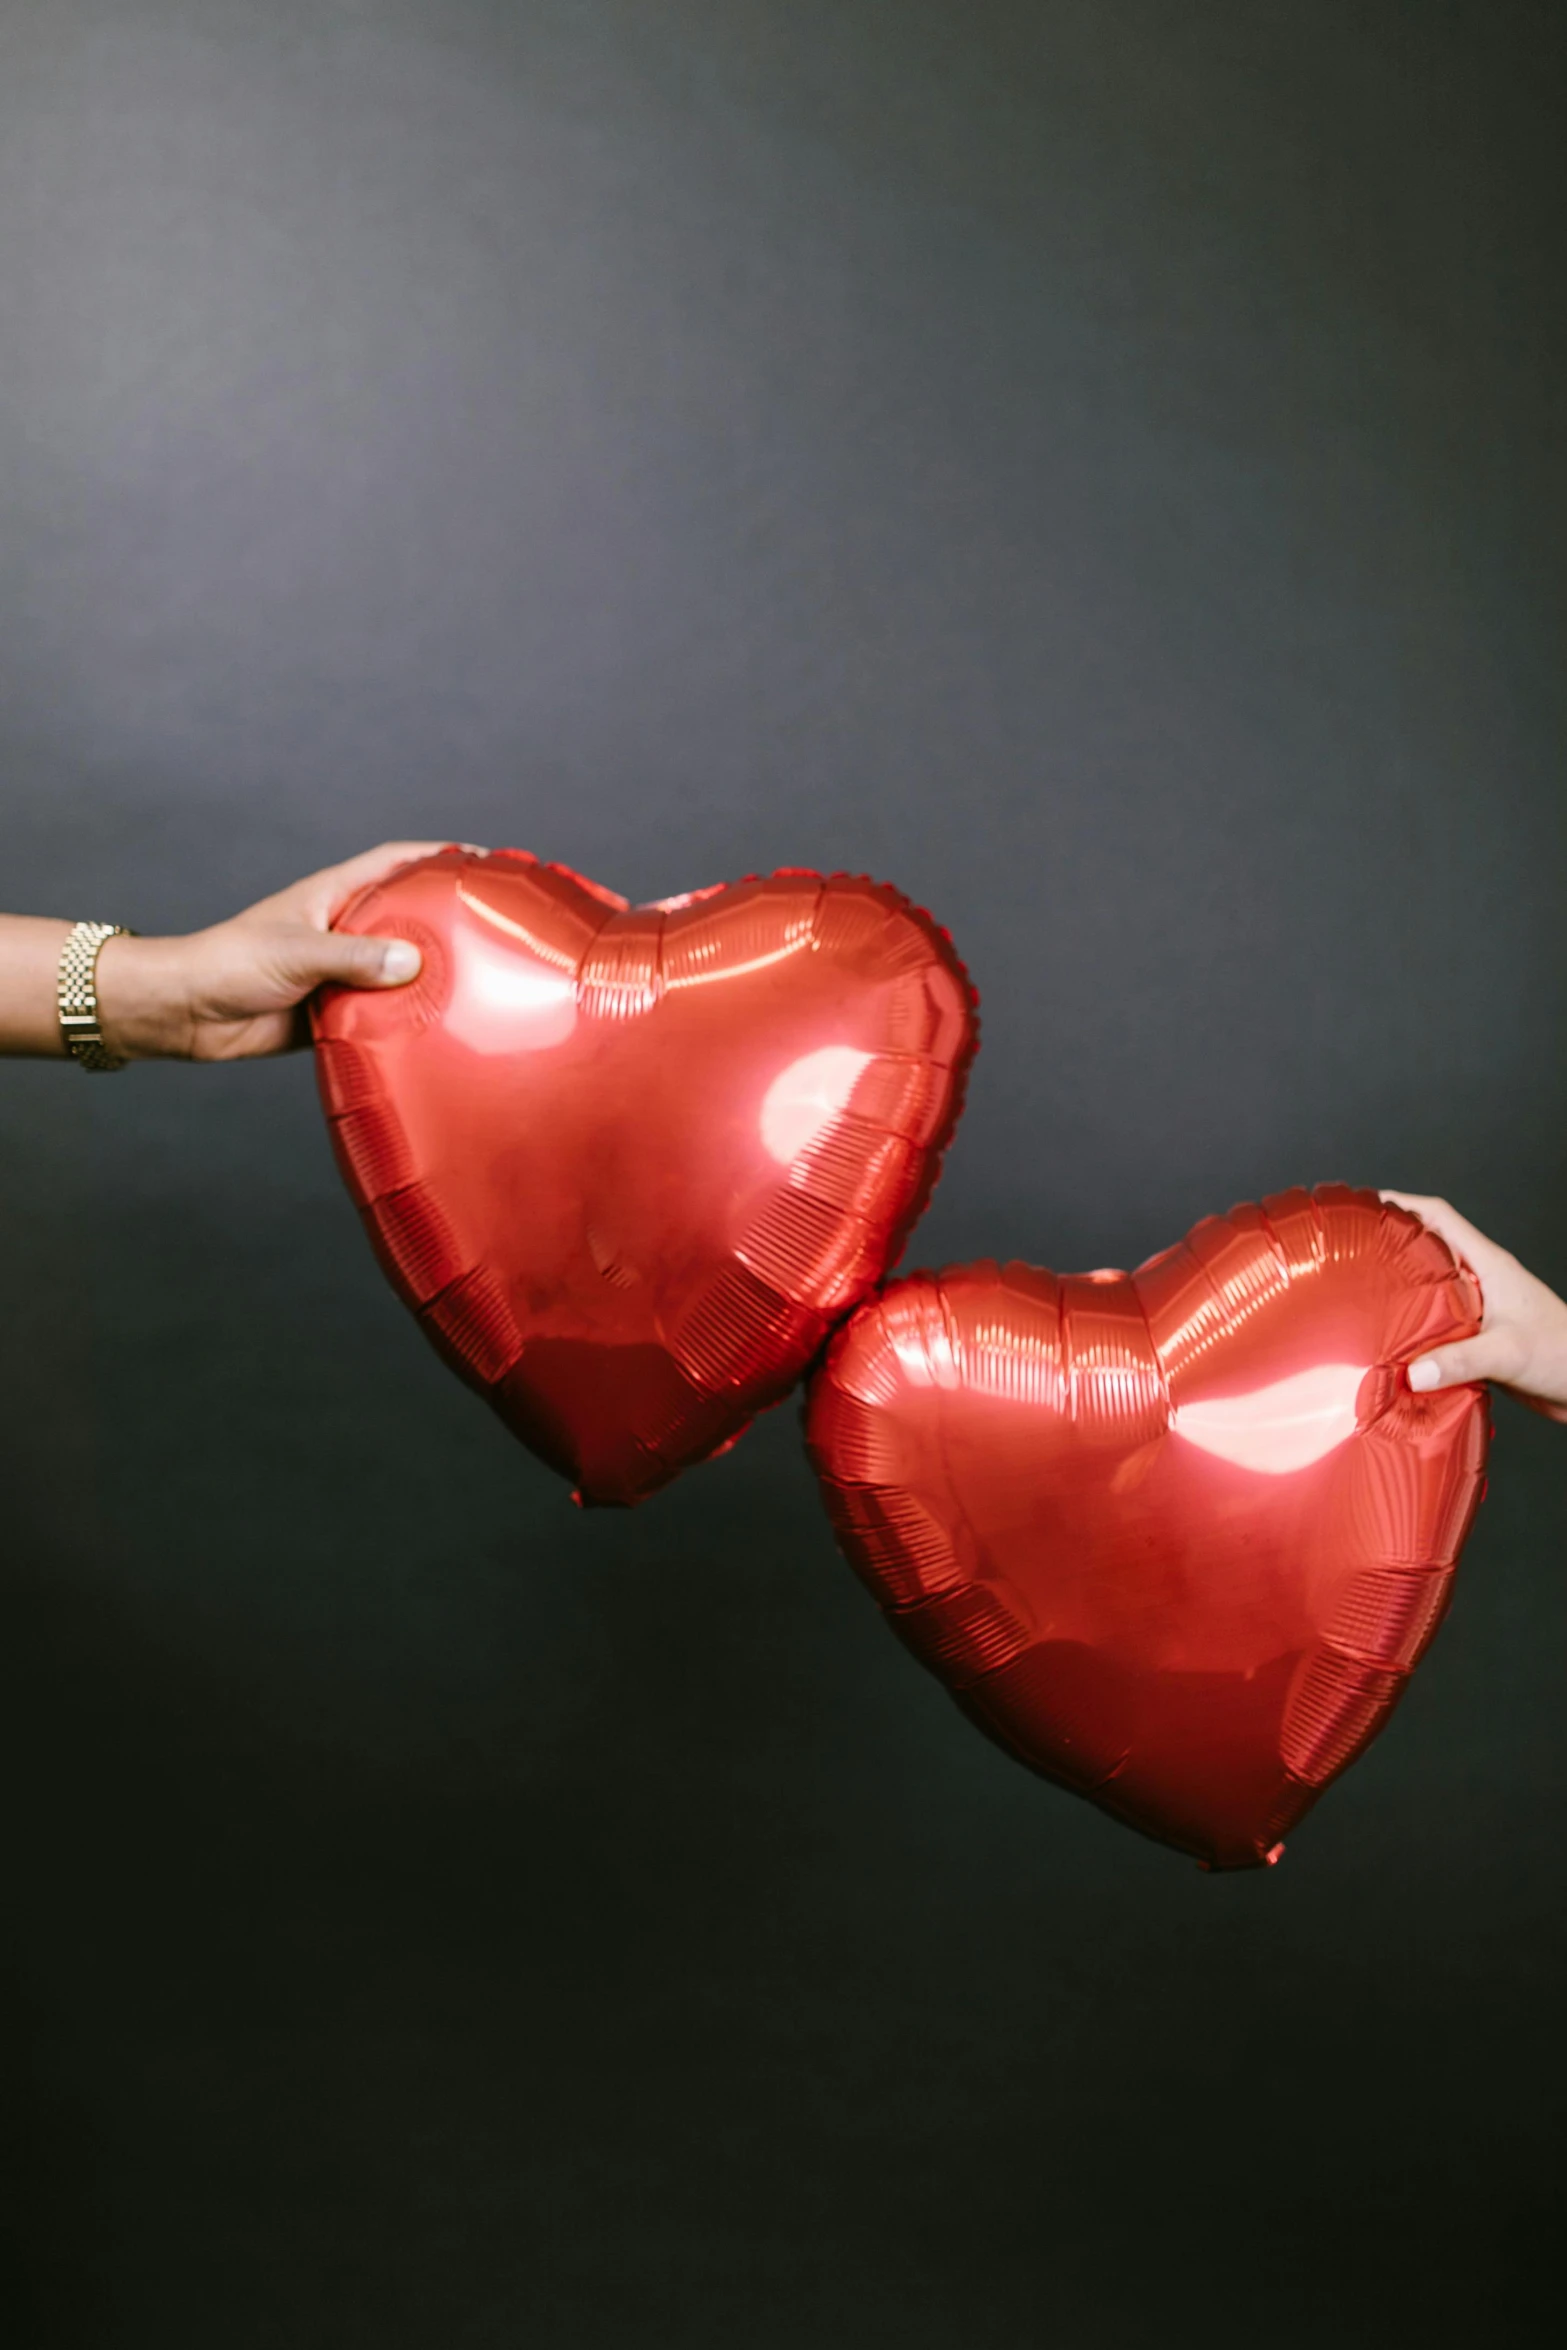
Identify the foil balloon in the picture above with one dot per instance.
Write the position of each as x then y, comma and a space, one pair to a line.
1177, 1539
629, 1165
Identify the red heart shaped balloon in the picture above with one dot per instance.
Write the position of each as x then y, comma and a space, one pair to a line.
1175, 1539
629, 1165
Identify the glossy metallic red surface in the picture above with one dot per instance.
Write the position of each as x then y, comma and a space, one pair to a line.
629, 1165
1175, 1539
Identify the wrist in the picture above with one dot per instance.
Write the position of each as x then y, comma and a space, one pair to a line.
144, 1004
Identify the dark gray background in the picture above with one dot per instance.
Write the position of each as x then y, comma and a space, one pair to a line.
1098, 464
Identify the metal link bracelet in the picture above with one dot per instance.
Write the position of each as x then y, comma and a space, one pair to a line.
77, 995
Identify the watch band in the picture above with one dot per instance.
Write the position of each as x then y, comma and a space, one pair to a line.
77, 995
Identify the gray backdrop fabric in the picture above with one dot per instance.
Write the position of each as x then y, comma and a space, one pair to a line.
1097, 465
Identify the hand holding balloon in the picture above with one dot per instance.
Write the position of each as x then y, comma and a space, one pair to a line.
1522, 1341
238, 991
234, 992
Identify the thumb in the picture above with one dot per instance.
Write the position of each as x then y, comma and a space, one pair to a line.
317, 957
1457, 1365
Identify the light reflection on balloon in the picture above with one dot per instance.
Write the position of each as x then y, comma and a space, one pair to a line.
507, 1002
804, 1100
1277, 1429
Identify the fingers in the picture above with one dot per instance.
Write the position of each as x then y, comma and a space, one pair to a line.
1461, 1236
1493, 1355
1449, 1366
1523, 1343
308, 959
320, 897
372, 865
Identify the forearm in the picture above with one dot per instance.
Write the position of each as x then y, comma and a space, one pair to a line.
234, 992
29, 968
142, 986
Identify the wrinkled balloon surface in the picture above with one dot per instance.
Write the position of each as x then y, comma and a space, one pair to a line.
1175, 1539
629, 1165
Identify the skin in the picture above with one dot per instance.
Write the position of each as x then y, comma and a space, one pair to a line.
1522, 1344
236, 992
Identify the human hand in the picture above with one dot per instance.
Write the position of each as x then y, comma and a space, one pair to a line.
239, 990
1522, 1344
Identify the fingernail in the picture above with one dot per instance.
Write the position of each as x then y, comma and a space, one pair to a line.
1425, 1374
400, 961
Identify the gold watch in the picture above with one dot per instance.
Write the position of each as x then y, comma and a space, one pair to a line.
77, 995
